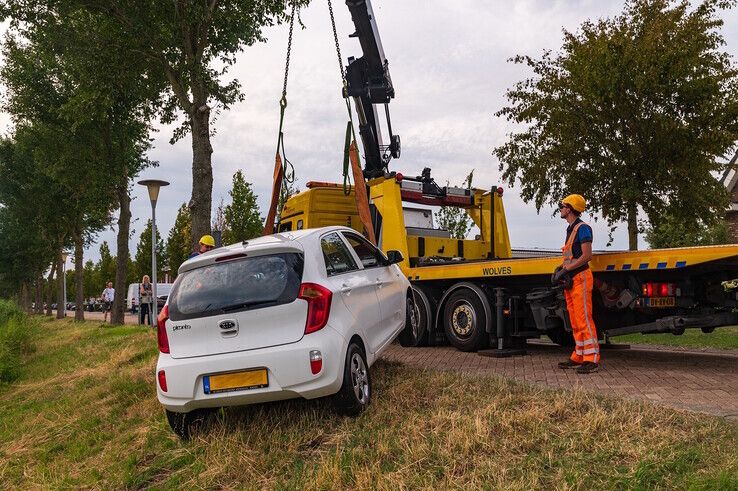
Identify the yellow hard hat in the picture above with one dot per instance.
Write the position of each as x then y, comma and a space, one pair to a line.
207, 240
576, 201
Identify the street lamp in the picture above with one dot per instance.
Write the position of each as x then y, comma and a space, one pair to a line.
64, 256
153, 185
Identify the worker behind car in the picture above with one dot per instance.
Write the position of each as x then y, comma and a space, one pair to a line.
207, 243
577, 252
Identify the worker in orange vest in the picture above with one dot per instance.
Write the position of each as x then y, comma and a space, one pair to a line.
577, 254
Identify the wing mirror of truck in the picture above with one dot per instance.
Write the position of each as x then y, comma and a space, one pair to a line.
395, 257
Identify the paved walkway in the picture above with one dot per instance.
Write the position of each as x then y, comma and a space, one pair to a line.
698, 381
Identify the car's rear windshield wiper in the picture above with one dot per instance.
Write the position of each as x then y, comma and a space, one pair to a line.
248, 305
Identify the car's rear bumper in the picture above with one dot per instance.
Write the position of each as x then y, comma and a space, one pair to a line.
288, 371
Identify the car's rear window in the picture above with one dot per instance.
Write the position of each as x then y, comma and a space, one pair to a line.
237, 285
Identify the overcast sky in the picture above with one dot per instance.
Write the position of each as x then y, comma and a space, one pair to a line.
448, 64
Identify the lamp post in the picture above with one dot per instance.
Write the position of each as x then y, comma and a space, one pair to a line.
153, 185
64, 256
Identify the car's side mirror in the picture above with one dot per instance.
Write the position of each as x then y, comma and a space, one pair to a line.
395, 257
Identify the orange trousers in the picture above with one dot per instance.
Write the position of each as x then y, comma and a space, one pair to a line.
579, 306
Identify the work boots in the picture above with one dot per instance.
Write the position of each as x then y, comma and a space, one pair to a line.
569, 364
588, 367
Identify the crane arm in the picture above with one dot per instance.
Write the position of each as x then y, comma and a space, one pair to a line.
369, 83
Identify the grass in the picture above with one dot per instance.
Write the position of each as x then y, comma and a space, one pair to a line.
15, 335
84, 414
720, 338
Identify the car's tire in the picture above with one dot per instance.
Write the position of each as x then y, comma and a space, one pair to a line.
186, 425
465, 321
417, 314
356, 389
561, 336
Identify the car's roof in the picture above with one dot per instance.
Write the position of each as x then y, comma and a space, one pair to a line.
283, 241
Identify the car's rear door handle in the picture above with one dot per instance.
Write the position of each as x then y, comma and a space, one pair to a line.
380, 284
345, 289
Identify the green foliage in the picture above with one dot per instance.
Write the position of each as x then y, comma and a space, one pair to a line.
178, 241
670, 231
633, 113
15, 339
456, 220
143, 254
242, 217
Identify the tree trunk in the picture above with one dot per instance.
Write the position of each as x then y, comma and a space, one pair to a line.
60, 279
50, 288
632, 226
39, 310
202, 171
24, 302
117, 316
79, 277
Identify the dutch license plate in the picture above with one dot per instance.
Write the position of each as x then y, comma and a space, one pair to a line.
661, 302
228, 382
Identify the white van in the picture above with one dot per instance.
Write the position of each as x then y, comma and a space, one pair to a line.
133, 298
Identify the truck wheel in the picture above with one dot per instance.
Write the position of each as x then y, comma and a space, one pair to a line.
465, 321
356, 389
561, 336
186, 425
415, 333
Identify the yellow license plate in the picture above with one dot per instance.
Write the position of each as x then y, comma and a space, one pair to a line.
661, 302
227, 382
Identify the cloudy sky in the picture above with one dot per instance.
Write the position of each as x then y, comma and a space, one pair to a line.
448, 65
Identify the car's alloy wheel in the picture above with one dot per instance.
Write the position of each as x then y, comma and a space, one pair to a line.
356, 389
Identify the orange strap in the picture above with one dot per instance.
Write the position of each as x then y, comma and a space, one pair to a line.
573, 235
362, 200
276, 189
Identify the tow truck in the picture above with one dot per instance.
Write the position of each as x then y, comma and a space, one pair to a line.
476, 293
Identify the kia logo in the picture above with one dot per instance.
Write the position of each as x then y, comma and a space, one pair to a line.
227, 325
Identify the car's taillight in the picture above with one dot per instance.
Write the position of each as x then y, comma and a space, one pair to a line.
162, 380
319, 305
161, 330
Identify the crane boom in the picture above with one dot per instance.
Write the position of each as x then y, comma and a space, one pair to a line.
369, 83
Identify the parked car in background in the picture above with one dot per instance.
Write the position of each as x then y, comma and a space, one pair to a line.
296, 314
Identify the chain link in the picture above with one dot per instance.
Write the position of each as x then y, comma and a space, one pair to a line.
283, 100
338, 46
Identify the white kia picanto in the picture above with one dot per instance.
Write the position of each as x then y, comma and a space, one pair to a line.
295, 314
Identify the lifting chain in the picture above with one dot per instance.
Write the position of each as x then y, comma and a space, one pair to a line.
350, 125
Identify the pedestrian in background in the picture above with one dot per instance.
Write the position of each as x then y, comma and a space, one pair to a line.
146, 293
108, 295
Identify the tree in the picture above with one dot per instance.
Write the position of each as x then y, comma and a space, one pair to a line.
670, 231
219, 225
454, 219
178, 241
242, 217
189, 44
143, 254
633, 113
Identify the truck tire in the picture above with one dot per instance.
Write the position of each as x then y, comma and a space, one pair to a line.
416, 329
465, 320
561, 336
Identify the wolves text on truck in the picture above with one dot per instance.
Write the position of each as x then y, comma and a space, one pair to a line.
473, 292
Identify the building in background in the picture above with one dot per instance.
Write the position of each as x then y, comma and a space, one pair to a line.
730, 180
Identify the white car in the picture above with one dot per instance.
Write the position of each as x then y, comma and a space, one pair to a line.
295, 314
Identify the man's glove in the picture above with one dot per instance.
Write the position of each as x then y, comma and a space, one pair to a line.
562, 277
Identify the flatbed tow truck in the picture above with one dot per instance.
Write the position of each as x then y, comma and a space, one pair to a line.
473, 293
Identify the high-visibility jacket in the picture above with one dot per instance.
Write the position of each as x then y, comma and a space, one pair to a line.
579, 306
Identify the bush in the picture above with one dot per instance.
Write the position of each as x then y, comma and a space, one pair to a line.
15, 339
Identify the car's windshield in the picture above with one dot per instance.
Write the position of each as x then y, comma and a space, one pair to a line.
241, 284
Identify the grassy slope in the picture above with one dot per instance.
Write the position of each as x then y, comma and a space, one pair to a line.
722, 337
85, 414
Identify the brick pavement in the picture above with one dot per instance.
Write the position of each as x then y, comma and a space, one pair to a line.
698, 381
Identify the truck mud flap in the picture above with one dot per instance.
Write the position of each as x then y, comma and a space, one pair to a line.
677, 324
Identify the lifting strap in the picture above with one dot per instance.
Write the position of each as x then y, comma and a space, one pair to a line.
281, 174
351, 151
